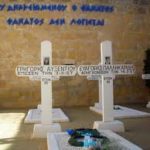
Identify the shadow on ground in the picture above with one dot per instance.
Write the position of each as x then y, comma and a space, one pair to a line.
15, 135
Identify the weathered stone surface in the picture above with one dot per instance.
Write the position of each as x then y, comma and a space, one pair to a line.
128, 27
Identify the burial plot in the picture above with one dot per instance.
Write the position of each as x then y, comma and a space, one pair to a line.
118, 111
59, 141
46, 73
34, 115
107, 73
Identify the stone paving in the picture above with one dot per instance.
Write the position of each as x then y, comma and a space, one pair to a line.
15, 135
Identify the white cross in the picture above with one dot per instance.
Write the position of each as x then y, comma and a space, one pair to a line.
46, 72
105, 53
105, 73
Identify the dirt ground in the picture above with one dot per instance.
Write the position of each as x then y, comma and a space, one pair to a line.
15, 135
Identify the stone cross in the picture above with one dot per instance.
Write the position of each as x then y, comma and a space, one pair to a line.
106, 59
146, 77
105, 73
108, 54
46, 73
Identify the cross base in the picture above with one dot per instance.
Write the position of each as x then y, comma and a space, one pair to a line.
34, 116
148, 105
40, 130
122, 111
115, 125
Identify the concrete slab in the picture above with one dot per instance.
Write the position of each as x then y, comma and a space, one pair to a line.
115, 125
34, 116
122, 112
59, 141
41, 131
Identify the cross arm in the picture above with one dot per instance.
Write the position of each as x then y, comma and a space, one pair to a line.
118, 69
45, 71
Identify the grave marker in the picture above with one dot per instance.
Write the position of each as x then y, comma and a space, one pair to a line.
34, 115
46, 73
107, 73
118, 111
54, 140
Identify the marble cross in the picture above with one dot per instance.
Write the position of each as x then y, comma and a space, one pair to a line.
105, 74
46, 73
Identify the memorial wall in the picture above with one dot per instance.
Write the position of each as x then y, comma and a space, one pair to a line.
76, 28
